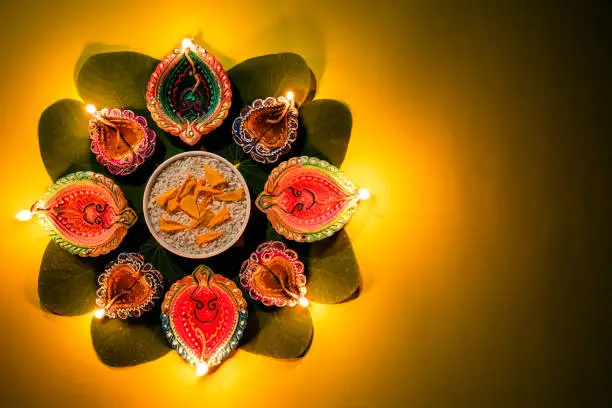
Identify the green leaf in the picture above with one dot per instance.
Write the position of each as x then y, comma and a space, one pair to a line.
164, 261
67, 284
254, 174
63, 139
116, 79
278, 332
325, 131
272, 75
121, 343
333, 272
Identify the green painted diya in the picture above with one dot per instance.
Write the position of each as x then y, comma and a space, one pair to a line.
189, 93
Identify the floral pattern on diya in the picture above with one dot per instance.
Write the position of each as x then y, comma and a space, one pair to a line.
129, 287
204, 316
120, 140
274, 275
85, 213
266, 128
307, 199
189, 93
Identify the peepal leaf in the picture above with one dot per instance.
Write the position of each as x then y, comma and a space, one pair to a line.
121, 343
333, 272
325, 129
278, 332
67, 284
162, 260
116, 79
272, 75
63, 139
254, 173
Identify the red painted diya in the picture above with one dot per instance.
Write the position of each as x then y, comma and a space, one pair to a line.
274, 275
85, 213
129, 287
204, 316
266, 128
120, 140
307, 199
189, 94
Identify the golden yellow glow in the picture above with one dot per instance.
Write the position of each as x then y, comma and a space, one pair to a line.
201, 368
24, 215
187, 44
99, 313
363, 193
90, 108
290, 95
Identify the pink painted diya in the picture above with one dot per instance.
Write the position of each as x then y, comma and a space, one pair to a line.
189, 94
266, 128
274, 275
307, 199
85, 213
128, 287
120, 140
204, 316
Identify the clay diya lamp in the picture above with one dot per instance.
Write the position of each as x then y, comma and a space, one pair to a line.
85, 213
120, 139
129, 287
274, 276
307, 199
204, 316
189, 93
266, 128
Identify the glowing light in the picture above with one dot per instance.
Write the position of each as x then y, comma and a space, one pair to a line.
290, 95
201, 369
98, 314
303, 301
363, 193
91, 109
24, 215
187, 43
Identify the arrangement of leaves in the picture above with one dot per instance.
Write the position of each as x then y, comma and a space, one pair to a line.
67, 284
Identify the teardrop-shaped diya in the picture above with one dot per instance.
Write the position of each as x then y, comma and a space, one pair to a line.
266, 128
204, 316
128, 287
120, 139
189, 94
274, 275
307, 199
85, 213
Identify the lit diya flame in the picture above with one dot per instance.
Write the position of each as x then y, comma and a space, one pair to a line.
204, 316
120, 139
84, 213
266, 128
274, 276
307, 199
129, 287
189, 93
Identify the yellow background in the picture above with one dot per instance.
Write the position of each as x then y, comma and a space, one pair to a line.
481, 133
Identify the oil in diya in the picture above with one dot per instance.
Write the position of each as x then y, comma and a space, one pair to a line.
85, 213
204, 317
307, 199
274, 276
120, 139
189, 93
129, 287
266, 128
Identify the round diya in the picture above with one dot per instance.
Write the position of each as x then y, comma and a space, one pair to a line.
128, 287
189, 93
120, 140
307, 199
196, 204
204, 316
85, 213
266, 128
274, 275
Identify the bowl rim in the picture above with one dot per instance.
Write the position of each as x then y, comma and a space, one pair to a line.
153, 179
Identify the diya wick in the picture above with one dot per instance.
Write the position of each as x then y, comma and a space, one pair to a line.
290, 103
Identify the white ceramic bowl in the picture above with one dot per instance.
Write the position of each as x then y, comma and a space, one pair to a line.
167, 245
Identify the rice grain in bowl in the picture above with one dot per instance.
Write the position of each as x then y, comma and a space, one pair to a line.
172, 174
